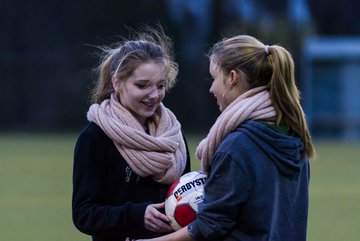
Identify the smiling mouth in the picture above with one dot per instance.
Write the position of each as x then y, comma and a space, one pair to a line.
149, 104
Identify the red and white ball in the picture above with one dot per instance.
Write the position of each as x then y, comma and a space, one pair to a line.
183, 198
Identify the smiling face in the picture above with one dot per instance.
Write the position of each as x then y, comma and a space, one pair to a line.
218, 87
143, 91
227, 87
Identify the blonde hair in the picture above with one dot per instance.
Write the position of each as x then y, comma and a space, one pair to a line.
121, 60
270, 66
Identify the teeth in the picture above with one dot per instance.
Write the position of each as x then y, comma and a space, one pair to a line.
149, 103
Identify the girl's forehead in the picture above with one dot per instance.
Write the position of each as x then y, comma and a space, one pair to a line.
214, 67
149, 71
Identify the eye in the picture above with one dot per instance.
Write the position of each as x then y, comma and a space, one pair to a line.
141, 86
161, 85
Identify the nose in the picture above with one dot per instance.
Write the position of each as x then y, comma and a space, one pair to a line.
210, 90
154, 93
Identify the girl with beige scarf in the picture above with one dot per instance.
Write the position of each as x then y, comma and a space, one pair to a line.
133, 148
256, 153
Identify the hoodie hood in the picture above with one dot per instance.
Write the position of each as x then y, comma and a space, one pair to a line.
287, 152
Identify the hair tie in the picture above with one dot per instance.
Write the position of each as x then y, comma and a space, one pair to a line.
267, 49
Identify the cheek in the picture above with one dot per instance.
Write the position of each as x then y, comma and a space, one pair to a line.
128, 96
215, 88
161, 94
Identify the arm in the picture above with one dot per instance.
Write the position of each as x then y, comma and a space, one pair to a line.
91, 214
218, 214
180, 235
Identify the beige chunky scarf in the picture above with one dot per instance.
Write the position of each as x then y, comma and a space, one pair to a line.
160, 154
254, 104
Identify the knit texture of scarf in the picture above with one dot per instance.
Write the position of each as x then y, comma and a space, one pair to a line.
254, 104
160, 154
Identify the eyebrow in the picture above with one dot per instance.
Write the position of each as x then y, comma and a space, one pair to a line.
147, 82
142, 80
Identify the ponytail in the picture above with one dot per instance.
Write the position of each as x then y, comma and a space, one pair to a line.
270, 66
286, 96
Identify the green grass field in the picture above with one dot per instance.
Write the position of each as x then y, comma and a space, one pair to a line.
35, 189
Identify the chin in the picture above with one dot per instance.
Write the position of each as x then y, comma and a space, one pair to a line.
148, 114
221, 108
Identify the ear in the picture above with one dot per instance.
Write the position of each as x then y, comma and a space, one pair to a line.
115, 83
233, 78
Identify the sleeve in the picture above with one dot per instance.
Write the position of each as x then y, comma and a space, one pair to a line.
221, 206
90, 214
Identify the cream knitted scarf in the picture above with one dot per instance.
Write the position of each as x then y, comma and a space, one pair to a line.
254, 104
160, 154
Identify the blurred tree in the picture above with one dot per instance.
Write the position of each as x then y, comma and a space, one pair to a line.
192, 23
47, 49
336, 17
45, 59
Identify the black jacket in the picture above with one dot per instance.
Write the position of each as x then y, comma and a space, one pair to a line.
109, 199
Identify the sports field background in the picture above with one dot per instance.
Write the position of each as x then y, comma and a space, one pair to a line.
35, 189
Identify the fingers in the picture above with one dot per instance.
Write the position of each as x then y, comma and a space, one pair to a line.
159, 214
158, 205
157, 225
156, 221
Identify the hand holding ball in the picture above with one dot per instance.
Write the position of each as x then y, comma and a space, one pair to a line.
183, 198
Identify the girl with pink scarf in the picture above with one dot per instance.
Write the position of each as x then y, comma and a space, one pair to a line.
256, 153
133, 147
